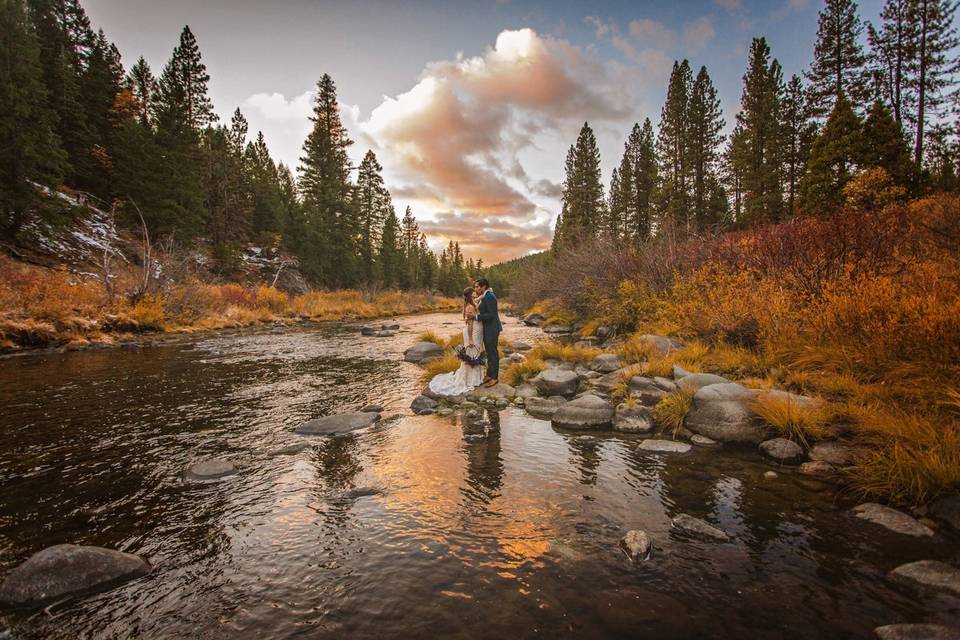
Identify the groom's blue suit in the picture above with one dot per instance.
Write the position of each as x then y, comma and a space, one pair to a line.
487, 313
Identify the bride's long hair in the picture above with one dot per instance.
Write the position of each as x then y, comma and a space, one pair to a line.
468, 297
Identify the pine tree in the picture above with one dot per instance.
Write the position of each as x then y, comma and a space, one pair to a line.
890, 54
704, 124
641, 152
833, 160
32, 151
884, 145
268, 207
373, 204
757, 152
428, 265
942, 163
101, 84
583, 189
674, 170
390, 253
561, 233
838, 60
798, 131
330, 255
735, 157
622, 199
143, 85
935, 63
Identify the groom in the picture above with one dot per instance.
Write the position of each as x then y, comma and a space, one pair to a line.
487, 314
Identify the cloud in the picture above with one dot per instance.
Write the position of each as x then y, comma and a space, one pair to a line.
730, 5
274, 106
645, 46
494, 238
697, 34
652, 34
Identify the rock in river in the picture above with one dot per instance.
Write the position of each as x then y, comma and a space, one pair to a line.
558, 329
557, 382
586, 412
422, 405
835, 453
605, 363
633, 418
650, 391
698, 527
782, 450
637, 545
341, 423
695, 381
534, 320
544, 408
892, 519
722, 412
917, 632
665, 446
212, 469
526, 390
422, 351
930, 574
65, 570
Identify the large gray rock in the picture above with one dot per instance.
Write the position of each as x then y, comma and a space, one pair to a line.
553, 363
384, 334
838, 454
557, 382
892, 519
586, 412
390, 326
340, 423
679, 372
917, 632
606, 363
698, 527
67, 570
633, 418
637, 545
534, 320
212, 469
527, 390
520, 346
660, 345
722, 412
543, 408
367, 330
650, 391
804, 402
930, 574
696, 381
499, 391
422, 351
609, 382
782, 450
947, 510
665, 446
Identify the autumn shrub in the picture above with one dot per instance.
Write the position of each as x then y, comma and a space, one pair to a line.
793, 419
148, 313
517, 373
273, 299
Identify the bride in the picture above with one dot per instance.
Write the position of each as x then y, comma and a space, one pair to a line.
467, 377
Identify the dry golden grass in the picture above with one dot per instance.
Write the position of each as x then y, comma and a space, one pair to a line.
590, 328
445, 364
550, 350
430, 336
454, 340
670, 412
792, 420
519, 372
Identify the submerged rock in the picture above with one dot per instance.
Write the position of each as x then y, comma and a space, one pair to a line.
291, 450
544, 408
817, 468
212, 469
336, 424
557, 382
838, 454
892, 519
637, 545
499, 391
586, 412
422, 351
930, 574
632, 418
693, 382
606, 363
665, 446
917, 632
66, 570
372, 408
704, 441
782, 450
698, 527
722, 412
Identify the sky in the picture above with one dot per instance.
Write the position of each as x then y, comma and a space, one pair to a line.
470, 106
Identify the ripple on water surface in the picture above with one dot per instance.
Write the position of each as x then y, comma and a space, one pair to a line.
416, 527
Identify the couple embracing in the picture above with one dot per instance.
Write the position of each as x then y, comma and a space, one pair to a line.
481, 333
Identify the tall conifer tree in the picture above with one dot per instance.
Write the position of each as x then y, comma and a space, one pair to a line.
838, 66
705, 122
672, 149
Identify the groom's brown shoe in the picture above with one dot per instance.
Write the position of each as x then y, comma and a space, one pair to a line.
492, 382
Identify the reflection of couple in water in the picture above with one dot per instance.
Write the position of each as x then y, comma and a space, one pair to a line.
481, 333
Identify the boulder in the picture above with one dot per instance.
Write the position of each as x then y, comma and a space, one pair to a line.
367, 330
782, 450
917, 632
817, 468
514, 358
384, 334
558, 329
660, 345
608, 382
586, 412
372, 408
679, 372
527, 390
703, 441
66, 570
606, 363
445, 411
837, 454
521, 346
892, 519
665, 446
947, 509
632, 418
637, 545
557, 382
929, 574
544, 408
391, 326
698, 527
650, 391
290, 450
722, 412
336, 424
695, 381
212, 469
553, 363
499, 391
422, 351
534, 320
603, 332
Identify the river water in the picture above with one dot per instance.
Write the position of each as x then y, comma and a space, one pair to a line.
418, 527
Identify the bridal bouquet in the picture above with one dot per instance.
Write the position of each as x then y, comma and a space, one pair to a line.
470, 356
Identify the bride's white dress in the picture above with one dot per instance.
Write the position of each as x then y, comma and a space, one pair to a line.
466, 378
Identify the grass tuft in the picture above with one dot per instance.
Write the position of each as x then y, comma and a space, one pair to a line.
430, 336
519, 372
445, 364
671, 411
793, 420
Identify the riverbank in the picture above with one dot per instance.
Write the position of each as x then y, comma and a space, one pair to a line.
44, 308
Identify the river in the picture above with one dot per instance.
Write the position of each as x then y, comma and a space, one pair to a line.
418, 527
